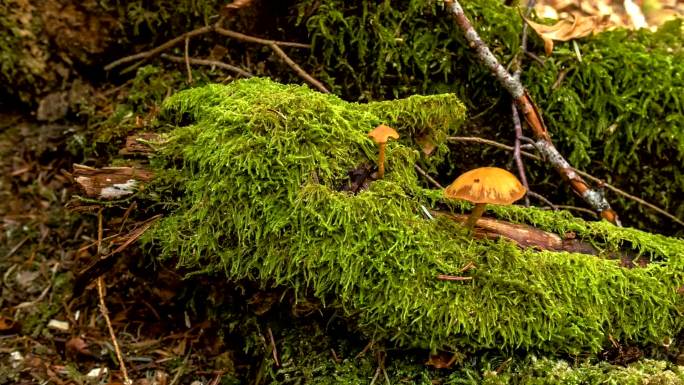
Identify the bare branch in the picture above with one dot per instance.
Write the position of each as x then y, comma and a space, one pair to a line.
303, 74
187, 59
211, 63
258, 40
427, 176
159, 49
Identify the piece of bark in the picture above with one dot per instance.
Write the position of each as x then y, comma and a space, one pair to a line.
136, 144
524, 236
527, 236
110, 182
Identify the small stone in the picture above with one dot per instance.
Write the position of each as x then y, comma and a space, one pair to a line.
58, 325
97, 373
53, 107
16, 359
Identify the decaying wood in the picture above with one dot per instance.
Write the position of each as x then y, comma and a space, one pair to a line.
109, 182
138, 144
526, 236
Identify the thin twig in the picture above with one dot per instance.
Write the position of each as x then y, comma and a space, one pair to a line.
535, 58
629, 196
100, 230
180, 370
523, 40
187, 59
130, 208
103, 306
475, 139
574, 208
35, 301
273, 347
444, 277
196, 32
17, 247
258, 40
211, 63
159, 49
375, 377
273, 44
303, 74
542, 198
516, 151
516, 117
427, 176
105, 314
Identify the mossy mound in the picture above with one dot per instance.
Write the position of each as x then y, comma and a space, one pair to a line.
617, 110
257, 168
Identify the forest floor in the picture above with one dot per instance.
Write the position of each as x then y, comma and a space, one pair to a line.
46, 334
51, 334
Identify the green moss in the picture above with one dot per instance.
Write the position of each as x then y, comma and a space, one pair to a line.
311, 363
426, 119
617, 112
257, 167
22, 62
161, 18
316, 353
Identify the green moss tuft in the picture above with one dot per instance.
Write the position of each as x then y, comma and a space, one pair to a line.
257, 166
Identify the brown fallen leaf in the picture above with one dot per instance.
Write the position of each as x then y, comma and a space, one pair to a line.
568, 29
7, 325
426, 143
443, 360
77, 345
236, 5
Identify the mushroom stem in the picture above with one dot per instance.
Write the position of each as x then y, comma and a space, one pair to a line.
381, 161
475, 215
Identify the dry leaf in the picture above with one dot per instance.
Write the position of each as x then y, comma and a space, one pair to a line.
77, 345
564, 30
237, 4
442, 360
7, 324
426, 143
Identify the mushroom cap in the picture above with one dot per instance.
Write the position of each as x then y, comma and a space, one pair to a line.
382, 133
486, 185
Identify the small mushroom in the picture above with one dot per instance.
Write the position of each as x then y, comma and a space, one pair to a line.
380, 135
484, 185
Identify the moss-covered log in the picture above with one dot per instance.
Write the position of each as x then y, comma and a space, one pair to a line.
258, 198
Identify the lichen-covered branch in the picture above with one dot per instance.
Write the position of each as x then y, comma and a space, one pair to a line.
532, 115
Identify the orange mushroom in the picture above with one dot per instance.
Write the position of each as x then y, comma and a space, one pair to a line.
380, 135
485, 185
